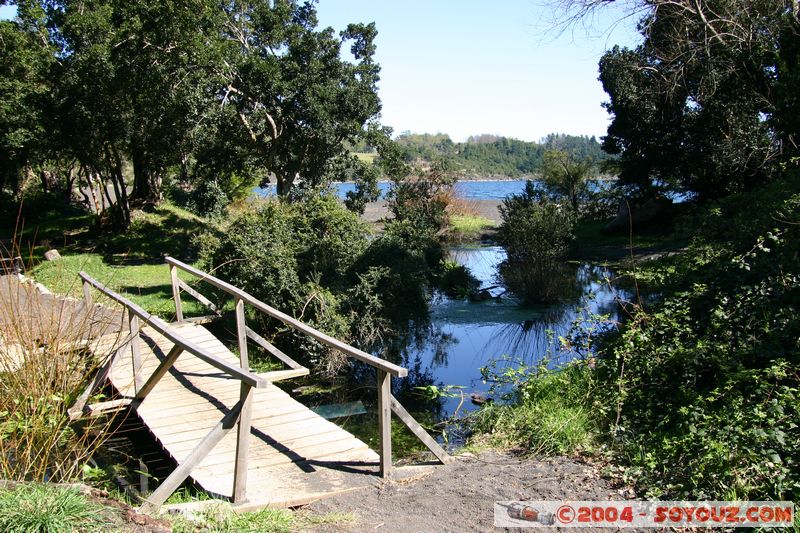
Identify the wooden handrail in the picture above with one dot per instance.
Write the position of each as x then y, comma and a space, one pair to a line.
242, 374
355, 353
387, 404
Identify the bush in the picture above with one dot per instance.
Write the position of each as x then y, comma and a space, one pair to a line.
208, 200
704, 385
419, 205
537, 235
301, 257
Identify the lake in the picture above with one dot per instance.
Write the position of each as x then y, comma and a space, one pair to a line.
474, 190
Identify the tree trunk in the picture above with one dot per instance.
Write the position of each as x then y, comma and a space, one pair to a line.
146, 180
284, 184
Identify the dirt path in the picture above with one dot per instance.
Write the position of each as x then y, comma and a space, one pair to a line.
460, 497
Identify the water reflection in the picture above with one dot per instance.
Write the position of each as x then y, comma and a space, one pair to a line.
461, 336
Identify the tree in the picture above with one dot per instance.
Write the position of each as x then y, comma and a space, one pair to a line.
536, 234
697, 107
24, 87
565, 176
294, 98
232, 93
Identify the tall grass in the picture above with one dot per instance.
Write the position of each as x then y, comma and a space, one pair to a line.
466, 223
49, 350
550, 414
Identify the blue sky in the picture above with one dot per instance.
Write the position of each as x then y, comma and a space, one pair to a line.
466, 67
472, 66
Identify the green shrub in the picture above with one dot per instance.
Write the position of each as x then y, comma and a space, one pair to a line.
537, 235
295, 256
419, 205
704, 385
208, 199
456, 280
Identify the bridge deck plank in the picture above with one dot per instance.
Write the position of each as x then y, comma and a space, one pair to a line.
296, 456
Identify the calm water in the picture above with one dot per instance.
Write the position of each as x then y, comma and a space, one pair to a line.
475, 190
465, 336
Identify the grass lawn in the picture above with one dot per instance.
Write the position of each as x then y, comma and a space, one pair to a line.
366, 157
146, 284
468, 227
131, 263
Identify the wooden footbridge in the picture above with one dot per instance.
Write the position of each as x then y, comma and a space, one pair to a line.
231, 430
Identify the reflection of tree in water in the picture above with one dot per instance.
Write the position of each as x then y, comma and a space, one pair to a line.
533, 339
534, 284
529, 339
419, 336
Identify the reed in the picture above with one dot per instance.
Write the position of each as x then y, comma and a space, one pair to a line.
48, 354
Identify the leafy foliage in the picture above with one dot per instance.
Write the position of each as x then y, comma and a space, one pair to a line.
565, 177
101, 94
209, 200
308, 259
700, 105
537, 235
702, 389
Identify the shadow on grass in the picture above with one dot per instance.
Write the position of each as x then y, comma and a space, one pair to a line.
47, 221
44, 220
154, 235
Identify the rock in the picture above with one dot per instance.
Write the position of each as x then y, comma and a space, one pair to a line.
52, 255
479, 398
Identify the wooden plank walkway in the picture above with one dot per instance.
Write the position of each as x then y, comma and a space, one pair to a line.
296, 456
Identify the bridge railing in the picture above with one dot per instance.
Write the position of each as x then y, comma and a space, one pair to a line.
240, 413
385, 370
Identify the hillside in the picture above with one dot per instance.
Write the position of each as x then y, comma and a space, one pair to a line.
495, 156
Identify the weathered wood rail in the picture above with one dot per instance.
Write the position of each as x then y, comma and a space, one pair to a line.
241, 414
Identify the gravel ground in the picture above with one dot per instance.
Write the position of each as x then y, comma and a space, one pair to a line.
460, 497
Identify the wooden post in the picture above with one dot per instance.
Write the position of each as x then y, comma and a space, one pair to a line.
87, 295
136, 354
176, 293
241, 334
245, 398
406, 418
385, 422
242, 445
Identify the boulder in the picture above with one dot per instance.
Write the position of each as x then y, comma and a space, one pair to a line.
52, 255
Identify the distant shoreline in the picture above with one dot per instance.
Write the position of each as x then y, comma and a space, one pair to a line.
526, 177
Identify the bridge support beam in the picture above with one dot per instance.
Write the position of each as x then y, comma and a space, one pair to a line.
385, 422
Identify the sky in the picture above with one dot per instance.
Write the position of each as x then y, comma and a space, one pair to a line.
467, 67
